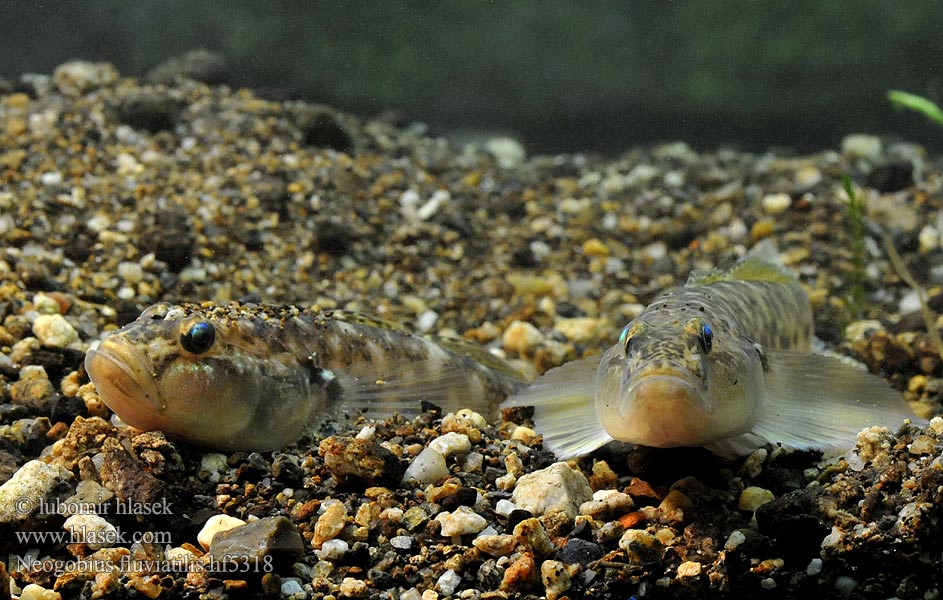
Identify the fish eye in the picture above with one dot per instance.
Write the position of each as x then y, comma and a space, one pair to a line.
198, 338
624, 338
706, 338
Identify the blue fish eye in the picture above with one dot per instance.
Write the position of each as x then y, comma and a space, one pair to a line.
198, 338
707, 338
624, 338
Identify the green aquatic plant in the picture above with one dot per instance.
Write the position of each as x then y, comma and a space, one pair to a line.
854, 210
922, 105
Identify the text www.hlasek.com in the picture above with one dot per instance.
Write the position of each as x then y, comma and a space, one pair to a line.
97, 537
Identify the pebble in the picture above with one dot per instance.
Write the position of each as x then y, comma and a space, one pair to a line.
776, 204
360, 459
531, 534
92, 530
428, 467
37, 482
863, 146
753, 497
78, 77
557, 578
33, 388
462, 521
448, 582
640, 547
496, 545
582, 330
559, 487
402, 542
504, 507
607, 504
291, 588
689, 569
33, 591
54, 331
580, 551
521, 337
352, 588
507, 151
335, 549
450, 443
273, 541
330, 523
216, 524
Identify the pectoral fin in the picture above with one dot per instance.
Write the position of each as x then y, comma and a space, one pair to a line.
565, 408
816, 402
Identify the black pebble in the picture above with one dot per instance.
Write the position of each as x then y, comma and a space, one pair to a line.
891, 177
464, 496
323, 131
517, 515
152, 110
579, 551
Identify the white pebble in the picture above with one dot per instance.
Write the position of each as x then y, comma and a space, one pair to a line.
776, 204
92, 530
403, 542
753, 497
54, 331
291, 588
426, 321
450, 443
214, 525
131, 272
814, 568
504, 507
333, 549
428, 467
34, 481
734, 540
448, 582
557, 488
461, 522
520, 336
33, 591
366, 433
507, 151
860, 145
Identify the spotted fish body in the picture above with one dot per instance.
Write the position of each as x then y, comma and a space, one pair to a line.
253, 377
722, 362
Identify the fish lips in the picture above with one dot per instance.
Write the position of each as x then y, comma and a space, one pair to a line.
122, 376
665, 410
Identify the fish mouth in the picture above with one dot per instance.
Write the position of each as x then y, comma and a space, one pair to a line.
664, 411
125, 383
668, 389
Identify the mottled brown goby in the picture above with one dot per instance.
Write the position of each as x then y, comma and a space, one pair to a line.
253, 377
723, 362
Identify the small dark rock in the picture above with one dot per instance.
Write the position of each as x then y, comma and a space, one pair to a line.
464, 496
254, 468
579, 551
322, 130
56, 361
360, 460
791, 523
517, 515
891, 177
286, 470
268, 542
12, 412
200, 65
153, 109
334, 237
65, 409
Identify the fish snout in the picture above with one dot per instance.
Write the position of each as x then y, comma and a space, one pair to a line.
122, 376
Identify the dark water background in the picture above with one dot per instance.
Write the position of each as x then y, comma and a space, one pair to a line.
559, 75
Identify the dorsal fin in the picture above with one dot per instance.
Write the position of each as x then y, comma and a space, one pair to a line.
761, 263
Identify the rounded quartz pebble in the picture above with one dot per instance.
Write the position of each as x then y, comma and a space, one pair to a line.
521, 337
448, 582
428, 467
496, 545
36, 482
460, 522
33, 388
92, 530
54, 331
450, 443
353, 588
333, 549
557, 577
753, 497
607, 503
214, 525
557, 488
401, 542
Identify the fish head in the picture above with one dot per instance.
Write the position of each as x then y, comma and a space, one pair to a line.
678, 380
188, 374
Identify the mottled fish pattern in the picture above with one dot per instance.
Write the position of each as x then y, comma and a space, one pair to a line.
723, 362
253, 377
